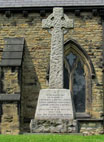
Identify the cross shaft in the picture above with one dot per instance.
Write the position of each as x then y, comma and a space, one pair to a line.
57, 23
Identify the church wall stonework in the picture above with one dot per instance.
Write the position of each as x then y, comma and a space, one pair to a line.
9, 84
10, 119
87, 32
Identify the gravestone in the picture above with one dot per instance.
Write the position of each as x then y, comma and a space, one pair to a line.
55, 110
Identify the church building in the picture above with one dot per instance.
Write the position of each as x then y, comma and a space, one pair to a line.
25, 48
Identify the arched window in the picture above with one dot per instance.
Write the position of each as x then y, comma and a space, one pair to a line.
78, 72
74, 79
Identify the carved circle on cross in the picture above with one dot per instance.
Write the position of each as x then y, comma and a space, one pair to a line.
50, 21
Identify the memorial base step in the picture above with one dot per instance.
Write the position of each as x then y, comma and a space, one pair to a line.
53, 126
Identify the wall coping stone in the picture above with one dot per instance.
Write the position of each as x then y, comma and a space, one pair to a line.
9, 97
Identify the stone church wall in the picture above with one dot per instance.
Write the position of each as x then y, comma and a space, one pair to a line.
87, 32
9, 85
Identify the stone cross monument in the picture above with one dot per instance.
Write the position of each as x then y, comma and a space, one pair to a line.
58, 24
54, 112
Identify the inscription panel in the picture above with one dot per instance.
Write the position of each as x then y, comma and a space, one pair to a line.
54, 104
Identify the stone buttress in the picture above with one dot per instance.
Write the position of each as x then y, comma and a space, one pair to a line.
10, 85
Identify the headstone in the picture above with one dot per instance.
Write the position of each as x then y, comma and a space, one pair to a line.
55, 111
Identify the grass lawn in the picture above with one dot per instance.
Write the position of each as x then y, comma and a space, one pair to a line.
51, 138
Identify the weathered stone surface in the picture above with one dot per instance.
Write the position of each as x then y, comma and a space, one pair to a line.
53, 126
10, 119
56, 22
12, 55
87, 32
10, 80
14, 41
9, 97
13, 47
91, 128
10, 111
11, 62
54, 104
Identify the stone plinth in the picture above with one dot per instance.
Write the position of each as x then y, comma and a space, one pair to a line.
53, 126
54, 104
54, 113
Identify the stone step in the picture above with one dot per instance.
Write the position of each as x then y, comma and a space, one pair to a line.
53, 126
79, 134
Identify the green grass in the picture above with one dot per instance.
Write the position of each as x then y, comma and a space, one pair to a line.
51, 138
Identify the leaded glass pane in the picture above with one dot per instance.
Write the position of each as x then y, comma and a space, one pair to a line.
66, 78
71, 59
79, 88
